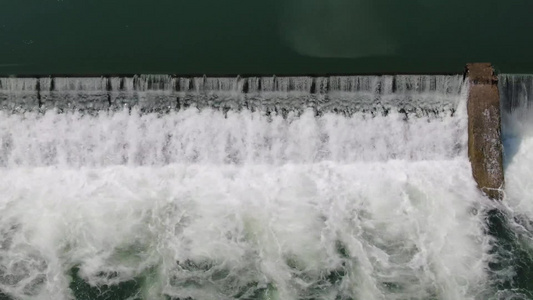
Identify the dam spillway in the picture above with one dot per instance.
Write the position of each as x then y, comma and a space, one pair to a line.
165, 93
156, 187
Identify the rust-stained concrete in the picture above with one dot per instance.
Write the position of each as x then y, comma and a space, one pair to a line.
484, 129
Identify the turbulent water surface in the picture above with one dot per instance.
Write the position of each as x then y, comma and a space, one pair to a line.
265, 188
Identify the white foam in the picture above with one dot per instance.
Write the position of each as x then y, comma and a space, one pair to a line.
214, 205
518, 142
406, 227
211, 137
517, 132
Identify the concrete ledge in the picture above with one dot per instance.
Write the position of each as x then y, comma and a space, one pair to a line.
484, 129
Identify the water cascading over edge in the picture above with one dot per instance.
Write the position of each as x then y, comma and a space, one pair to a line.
228, 120
246, 188
163, 93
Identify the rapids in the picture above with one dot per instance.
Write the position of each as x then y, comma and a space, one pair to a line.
269, 188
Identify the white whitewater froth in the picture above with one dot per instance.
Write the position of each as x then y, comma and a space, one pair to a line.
211, 206
517, 123
407, 229
517, 131
208, 136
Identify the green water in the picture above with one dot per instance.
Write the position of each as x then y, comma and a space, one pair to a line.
262, 37
84, 291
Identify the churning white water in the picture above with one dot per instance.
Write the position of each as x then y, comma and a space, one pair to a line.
518, 133
210, 137
201, 204
518, 142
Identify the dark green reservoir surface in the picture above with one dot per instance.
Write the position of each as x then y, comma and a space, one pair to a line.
228, 37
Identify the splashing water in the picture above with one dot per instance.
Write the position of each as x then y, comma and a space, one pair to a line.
512, 223
213, 204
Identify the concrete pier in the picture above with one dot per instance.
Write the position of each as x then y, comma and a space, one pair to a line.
484, 129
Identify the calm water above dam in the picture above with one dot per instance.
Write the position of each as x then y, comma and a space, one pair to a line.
263, 37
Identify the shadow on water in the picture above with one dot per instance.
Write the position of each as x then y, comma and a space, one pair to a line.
512, 133
511, 145
511, 139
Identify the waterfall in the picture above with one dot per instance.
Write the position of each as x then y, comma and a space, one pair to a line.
162, 93
158, 187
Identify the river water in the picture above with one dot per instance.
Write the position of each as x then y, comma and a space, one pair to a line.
265, 188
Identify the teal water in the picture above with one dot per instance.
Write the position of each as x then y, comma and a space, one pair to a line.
262, 37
